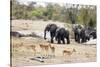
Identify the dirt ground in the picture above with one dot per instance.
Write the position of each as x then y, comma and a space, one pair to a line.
22, 52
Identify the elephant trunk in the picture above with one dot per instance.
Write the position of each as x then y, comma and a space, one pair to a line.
45, 34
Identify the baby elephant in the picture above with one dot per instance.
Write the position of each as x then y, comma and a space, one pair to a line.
61, 35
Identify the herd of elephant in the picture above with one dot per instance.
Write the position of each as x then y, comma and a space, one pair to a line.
60, 34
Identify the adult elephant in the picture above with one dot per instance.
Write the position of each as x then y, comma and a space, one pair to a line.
87, 33
52, 29
77, 32
83, 34
93, 34
61, 35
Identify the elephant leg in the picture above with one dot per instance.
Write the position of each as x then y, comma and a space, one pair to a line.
52, 36
85, 39
82, 40
52, 39
75, 36
68, 40
88, 38
59, 40
63, 40
78, 38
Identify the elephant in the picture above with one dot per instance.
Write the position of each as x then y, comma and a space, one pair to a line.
82, 34
77, 32
93, 34
52, 29
85, 35
61, 35
89, 32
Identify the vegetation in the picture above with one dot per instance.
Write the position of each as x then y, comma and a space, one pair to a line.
75, 13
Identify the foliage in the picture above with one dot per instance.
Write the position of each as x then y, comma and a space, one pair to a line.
81, 14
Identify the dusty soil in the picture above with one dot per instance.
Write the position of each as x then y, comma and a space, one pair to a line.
22, 53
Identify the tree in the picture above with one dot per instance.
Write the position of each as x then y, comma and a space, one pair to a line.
30, 6
49, 10
68, 13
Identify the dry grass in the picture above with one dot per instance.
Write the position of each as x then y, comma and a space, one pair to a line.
82, 53
28, 47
